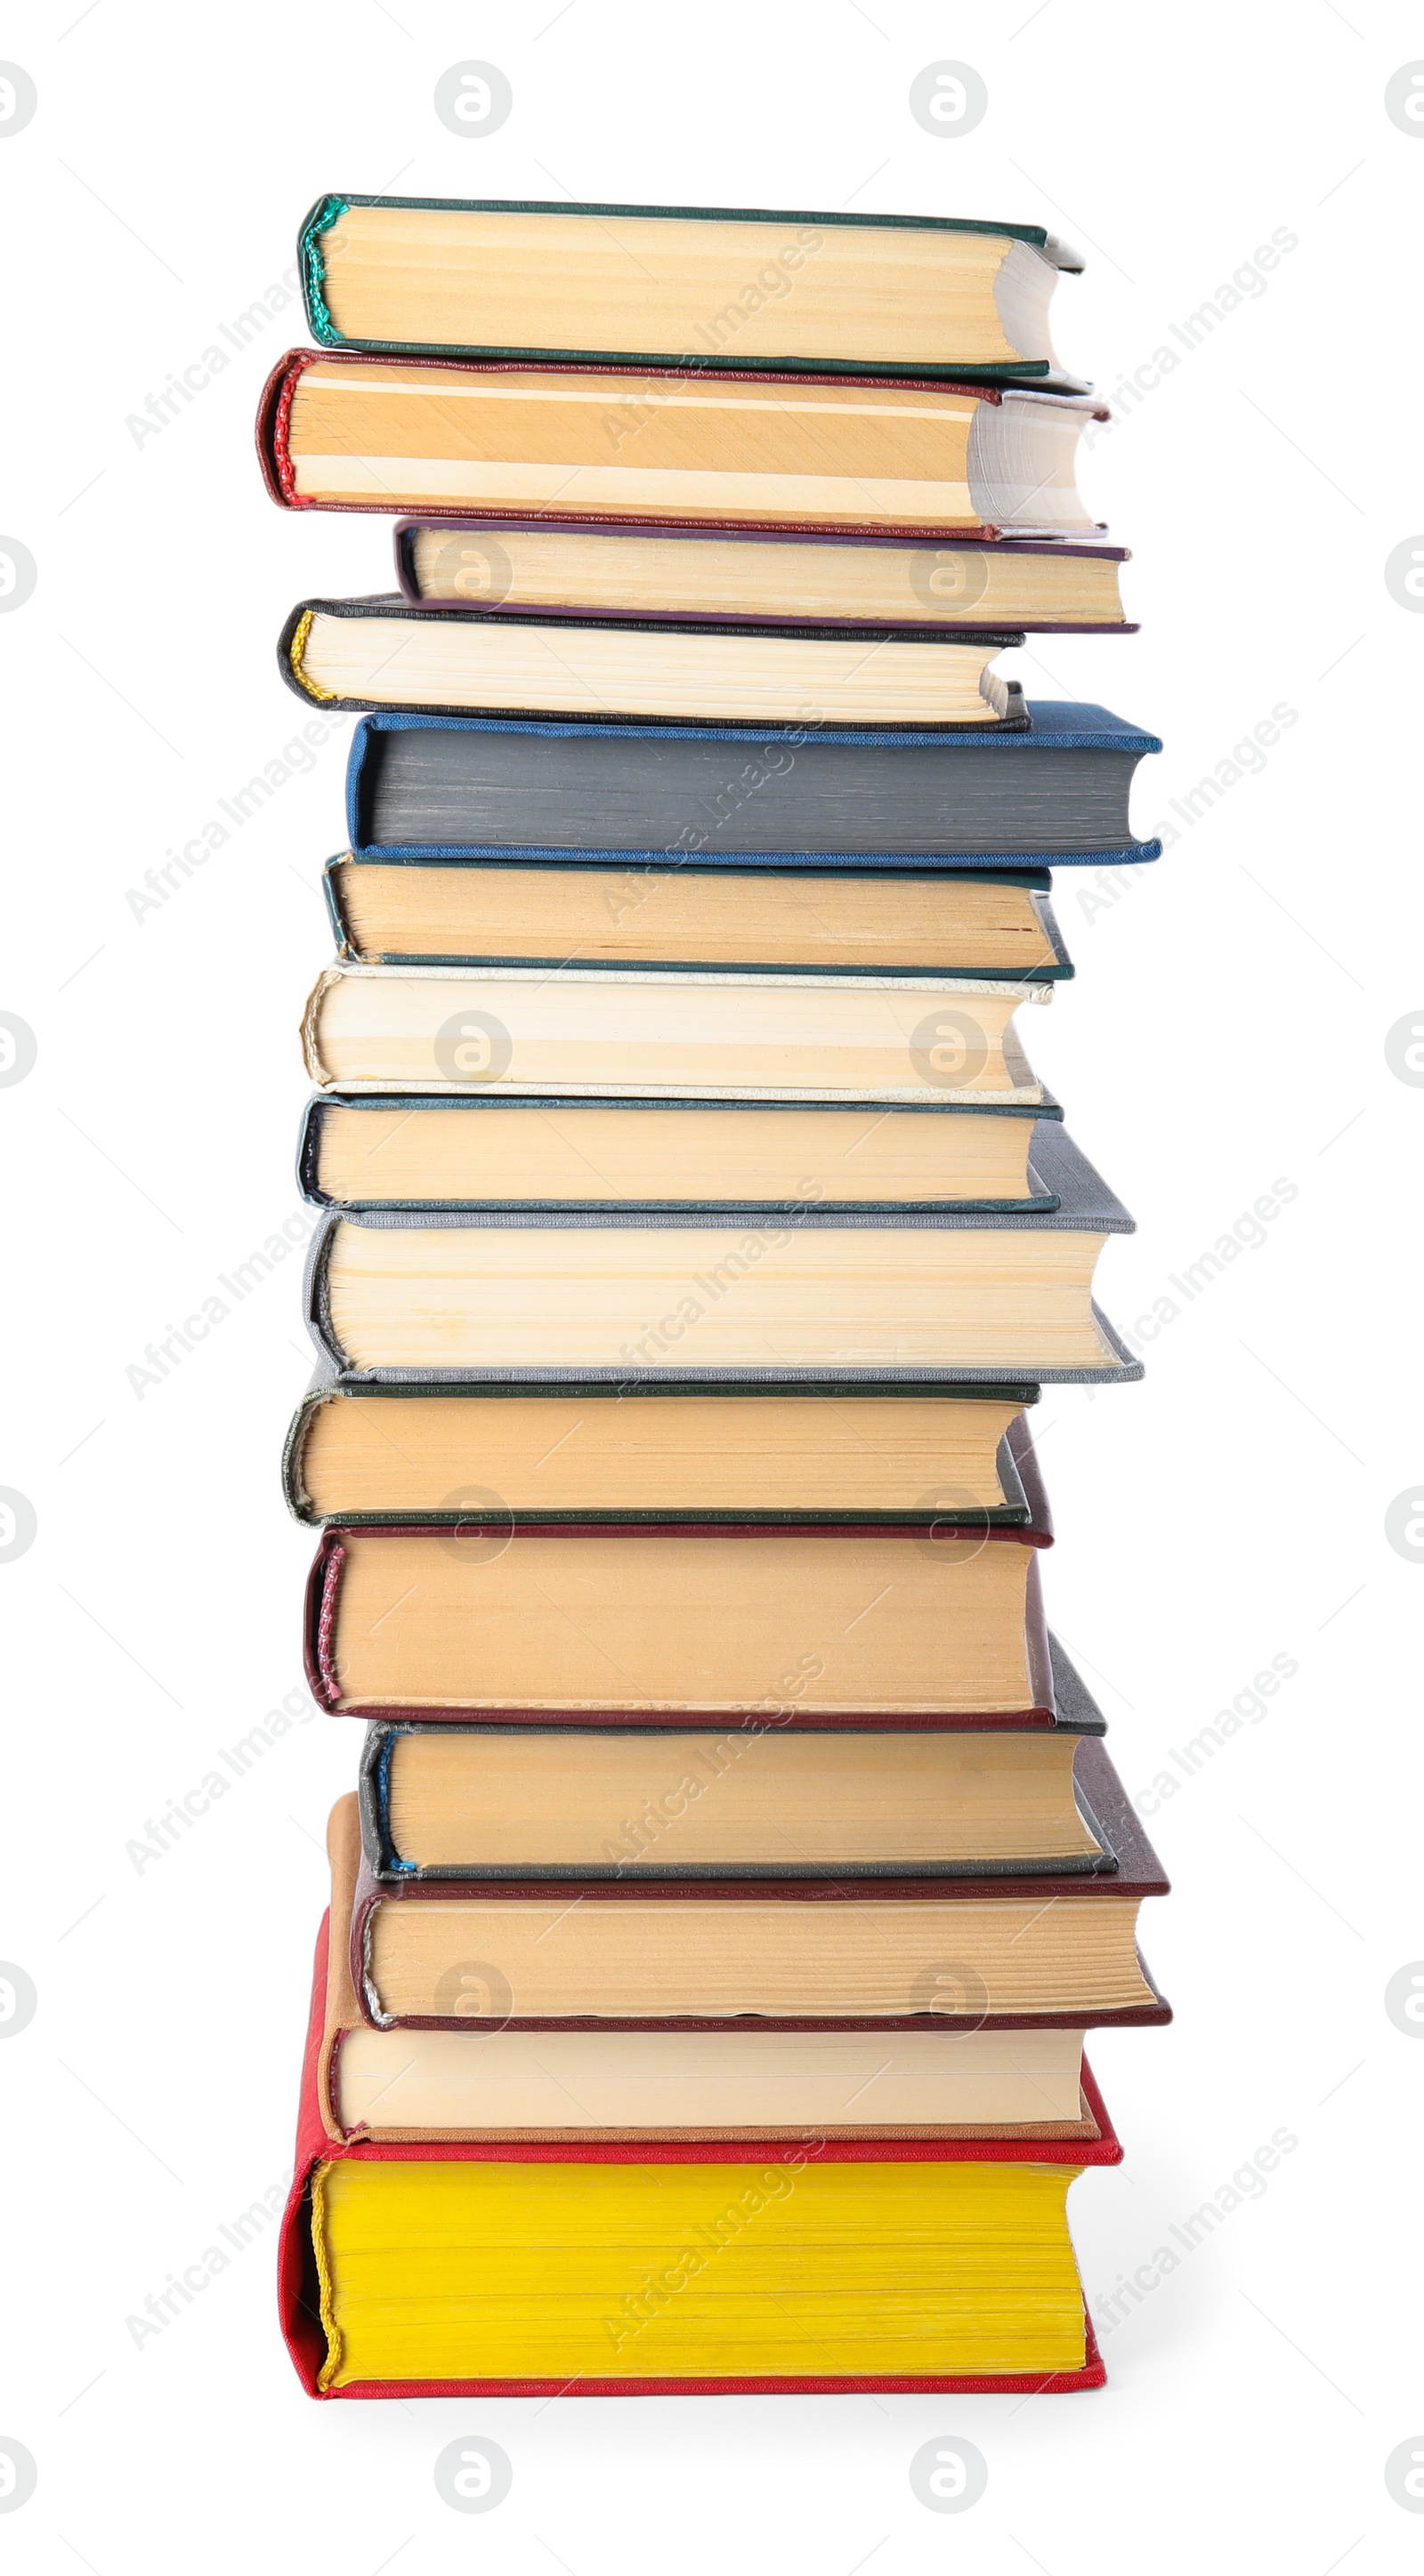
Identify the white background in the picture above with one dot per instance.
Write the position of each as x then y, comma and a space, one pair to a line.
1226, 1029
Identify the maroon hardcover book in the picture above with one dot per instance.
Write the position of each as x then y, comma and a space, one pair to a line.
949, 572
477, 1561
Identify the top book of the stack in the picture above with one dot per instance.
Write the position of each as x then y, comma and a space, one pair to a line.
744, 288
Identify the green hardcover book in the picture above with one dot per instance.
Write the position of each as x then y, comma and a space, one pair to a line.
754, 288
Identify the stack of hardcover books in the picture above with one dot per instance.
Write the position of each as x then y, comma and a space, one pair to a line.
735, 1867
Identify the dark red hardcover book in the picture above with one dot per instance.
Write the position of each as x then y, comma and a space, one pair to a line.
322, 1649
298, 2289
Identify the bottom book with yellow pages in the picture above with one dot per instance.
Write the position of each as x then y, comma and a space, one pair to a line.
624, 2263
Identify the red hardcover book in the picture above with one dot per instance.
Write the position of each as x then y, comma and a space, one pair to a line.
300, 2295
634, 394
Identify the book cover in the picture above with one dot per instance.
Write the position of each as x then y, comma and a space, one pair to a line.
1052, 794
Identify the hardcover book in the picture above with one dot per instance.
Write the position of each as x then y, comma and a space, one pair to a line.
469, 1802
686, 1623
451, 1454
355, 654
654, 569
664, 1034
752, 287
492, 1150
586, 2266
1054, 794
543, 912
584, 444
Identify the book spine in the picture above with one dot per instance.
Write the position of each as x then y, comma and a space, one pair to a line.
291, 647
311, 260
363, 741
373, 1802
294, 1492
274, 413
309, 1154
346, 950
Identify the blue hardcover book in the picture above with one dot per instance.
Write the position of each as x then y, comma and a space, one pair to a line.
1051, 794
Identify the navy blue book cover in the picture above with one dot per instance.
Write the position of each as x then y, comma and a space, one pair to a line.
1054, 794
